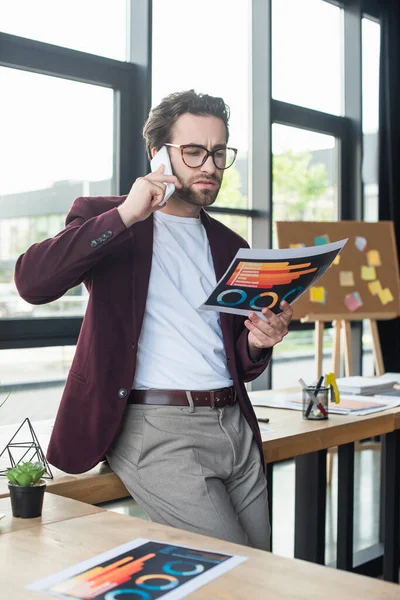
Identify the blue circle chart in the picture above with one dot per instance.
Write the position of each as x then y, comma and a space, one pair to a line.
241, 293
299, 288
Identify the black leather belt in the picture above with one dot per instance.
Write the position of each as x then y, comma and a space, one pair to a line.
213, 398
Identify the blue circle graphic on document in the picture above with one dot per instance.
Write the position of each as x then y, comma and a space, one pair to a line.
299, 288
242, 298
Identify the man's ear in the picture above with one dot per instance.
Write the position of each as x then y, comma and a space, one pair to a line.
153, 152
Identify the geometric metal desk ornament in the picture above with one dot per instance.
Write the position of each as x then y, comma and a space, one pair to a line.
23, 451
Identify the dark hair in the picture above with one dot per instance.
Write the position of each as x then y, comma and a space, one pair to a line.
157, 129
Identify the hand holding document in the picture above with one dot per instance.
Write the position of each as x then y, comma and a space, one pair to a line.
258, 279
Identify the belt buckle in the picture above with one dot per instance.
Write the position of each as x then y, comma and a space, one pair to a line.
213, 399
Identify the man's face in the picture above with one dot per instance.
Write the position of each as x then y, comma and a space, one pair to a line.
200, 185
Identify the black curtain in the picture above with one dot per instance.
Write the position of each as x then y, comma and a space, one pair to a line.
389, 155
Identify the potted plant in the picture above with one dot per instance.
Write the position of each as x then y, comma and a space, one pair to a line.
27, 489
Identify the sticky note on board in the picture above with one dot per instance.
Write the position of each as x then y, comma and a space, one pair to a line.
360, 243
353, 301
336, 260
375, 287
368, 273
385, 296
374, 258
318, 294
319, 240
346, 278
299, 245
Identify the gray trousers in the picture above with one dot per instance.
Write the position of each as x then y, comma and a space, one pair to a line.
198, 469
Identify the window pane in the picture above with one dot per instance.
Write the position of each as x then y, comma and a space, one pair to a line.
296, 358
56, 147
236, 222
35, 377
94, 26
219, 68
304, 175
307, 54
370, 107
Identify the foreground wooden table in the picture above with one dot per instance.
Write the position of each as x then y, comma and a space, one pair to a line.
26, 556
55, 508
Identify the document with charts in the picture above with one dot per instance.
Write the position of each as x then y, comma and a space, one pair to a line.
139, 569
256, 279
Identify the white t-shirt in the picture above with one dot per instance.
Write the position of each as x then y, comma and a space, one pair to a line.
180, 346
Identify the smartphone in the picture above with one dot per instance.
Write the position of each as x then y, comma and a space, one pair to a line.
162, 158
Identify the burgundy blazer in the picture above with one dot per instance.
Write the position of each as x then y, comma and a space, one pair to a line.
114, 263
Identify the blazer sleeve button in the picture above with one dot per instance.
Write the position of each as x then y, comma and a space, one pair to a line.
93, 244
122, 393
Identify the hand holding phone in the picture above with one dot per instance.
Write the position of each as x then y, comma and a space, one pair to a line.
162, 157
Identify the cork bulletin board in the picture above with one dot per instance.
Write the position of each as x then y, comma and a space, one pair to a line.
363, 281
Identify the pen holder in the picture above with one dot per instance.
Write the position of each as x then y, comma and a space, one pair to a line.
315, 408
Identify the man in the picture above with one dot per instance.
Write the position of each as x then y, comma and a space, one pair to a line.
156, 384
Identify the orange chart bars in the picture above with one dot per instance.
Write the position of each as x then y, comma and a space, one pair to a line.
267, 274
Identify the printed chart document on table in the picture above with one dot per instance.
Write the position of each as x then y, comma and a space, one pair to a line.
257, 279
139, 569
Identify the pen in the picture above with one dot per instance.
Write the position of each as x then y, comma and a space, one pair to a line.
263, 419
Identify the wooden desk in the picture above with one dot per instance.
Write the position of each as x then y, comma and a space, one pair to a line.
98, 485
55, 508
290, 436
32, 554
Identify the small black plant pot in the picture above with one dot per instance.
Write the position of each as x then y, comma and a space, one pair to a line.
27, 502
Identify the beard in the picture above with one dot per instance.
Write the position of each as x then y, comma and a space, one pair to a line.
200, 197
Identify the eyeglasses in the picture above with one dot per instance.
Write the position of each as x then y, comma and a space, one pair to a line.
194, 155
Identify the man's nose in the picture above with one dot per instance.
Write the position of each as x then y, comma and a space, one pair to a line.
209, 166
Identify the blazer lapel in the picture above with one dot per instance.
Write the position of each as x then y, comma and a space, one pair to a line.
142, 253
221, 258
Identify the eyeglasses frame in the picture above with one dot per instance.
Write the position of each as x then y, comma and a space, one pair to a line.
209, 153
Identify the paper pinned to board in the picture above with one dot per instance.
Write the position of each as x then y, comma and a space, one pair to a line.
257, 279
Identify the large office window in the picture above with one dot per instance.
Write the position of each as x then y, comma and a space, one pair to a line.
76, 128
209, 53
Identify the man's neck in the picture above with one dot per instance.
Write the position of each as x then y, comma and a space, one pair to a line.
178, 208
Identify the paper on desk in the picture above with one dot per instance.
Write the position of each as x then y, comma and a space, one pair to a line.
256, 279
140, 568
349, 403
